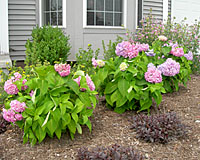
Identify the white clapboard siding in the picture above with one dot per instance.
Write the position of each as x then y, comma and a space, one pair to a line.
21, 20
156, 6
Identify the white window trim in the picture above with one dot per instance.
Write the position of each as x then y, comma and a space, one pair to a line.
136, 13
104, 27
165, 10
4, 36
63, 16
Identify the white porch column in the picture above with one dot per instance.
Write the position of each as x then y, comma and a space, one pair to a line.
165, 10
4, 42
4, 37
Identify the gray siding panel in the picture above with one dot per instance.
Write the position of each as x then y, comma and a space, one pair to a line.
21, 20
156, 6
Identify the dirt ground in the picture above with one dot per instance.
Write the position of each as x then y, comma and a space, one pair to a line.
110, 128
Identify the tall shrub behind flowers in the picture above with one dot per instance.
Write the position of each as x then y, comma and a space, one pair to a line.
52, 103
123, 80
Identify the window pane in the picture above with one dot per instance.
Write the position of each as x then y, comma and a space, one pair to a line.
90, 18
118, 19
46, 5
109, 19
54, 18
90, 4
59, 5
109, 5
118, 5
54, 5
100, 5
60, 18
46, 18
100, 18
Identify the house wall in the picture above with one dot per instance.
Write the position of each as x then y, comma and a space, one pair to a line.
24, 16
81, 37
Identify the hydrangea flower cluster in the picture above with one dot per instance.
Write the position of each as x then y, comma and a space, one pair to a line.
96, 63
31, 93
126, 49
169, 68
11, 88
123, 66
153, 75
14, 113
62, 69
142, 47
189, 56
178, 52
150, 53
162, 38
89, 82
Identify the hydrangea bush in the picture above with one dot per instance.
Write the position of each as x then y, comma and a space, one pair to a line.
53, 102
141, 72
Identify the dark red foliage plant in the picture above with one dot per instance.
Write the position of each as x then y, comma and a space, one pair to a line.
114, 152
159, 128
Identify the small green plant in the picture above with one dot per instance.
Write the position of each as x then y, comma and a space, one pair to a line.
48, 44
84, 59
110, 51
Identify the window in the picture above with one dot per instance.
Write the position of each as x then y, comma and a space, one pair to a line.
53, 12
139, 14
105, 13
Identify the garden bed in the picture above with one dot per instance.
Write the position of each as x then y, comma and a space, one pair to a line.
110, 128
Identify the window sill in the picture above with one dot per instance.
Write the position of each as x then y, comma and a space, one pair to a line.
103, 27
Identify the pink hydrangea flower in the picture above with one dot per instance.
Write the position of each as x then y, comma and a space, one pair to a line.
18, 117
142, 47
78, 80
10, 88
133, 52
31, 93
17, 106
62, 69
94, 62
189, 56
178, 52
89, 82
25, 86
98, 63
17, 75
9, 115
123, 48
153, 75
169, 68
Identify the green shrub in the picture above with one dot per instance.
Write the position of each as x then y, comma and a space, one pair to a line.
48, 44
84, 59
110, 51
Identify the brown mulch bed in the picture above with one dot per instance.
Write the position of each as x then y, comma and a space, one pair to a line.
110, 128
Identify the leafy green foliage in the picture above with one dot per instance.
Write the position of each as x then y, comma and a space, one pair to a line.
127, 90
84, 59
48, 44
57, 105
110, 51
